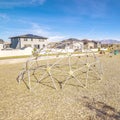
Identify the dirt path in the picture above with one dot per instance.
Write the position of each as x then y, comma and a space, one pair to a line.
22, 60
13, 61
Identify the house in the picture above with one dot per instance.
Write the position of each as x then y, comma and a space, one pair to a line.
78, 45
91, 44
7, 45
75, 45
70, 43
1, 44
4, 45
52, 45
28, 40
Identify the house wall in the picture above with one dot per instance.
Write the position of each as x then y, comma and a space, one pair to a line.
15, 43
6, 46
98, 45
1, 46
91, 45
78, 45
33, 42
75, 46
18, 43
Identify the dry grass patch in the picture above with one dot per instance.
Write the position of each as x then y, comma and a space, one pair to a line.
100, 101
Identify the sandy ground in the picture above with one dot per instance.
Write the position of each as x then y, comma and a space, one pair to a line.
100, 101
22, 60
13, 61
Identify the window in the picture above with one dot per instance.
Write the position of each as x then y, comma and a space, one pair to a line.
41, 40
91, 47
25, 39
43, 45
37, 46
27, 45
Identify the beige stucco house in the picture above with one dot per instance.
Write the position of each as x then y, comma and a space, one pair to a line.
28, 40
75, 45
78, 45
71, 43
91, 44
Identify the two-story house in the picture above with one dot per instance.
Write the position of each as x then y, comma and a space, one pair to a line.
28, 40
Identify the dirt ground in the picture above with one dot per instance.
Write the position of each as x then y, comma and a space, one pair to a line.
13, 61
100, 101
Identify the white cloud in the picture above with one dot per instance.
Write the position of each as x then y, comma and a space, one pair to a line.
38, 1
45, 31
14, 3
34, 28
91, 8
57, 38
3, 17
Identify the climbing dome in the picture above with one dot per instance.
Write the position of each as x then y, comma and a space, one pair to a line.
60, 69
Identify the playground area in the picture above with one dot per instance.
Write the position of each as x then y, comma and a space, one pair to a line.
98, 101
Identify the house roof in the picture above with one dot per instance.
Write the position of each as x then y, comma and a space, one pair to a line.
30, 36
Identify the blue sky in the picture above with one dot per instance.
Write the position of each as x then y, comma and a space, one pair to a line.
61, 19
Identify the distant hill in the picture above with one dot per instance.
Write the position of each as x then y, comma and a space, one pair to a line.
70, 40
110, 41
